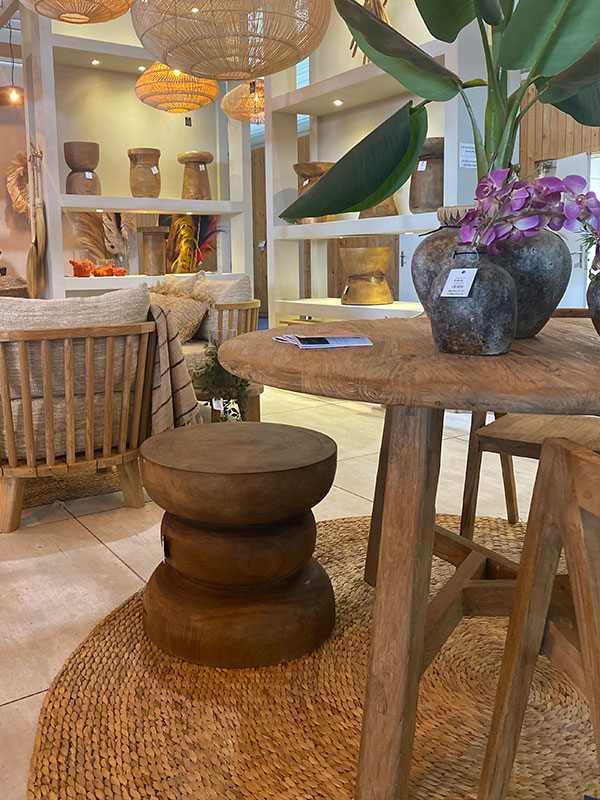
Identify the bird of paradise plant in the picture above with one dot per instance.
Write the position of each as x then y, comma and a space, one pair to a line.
556, 41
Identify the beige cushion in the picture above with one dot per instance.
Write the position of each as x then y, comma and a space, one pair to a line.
184, 284
187, 311
235, 291
123, 307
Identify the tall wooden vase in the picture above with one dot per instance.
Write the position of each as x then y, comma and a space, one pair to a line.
144, 175
196, 185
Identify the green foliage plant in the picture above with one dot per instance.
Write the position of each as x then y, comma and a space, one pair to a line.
556, 43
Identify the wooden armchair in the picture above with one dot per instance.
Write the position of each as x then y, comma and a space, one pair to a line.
73, 400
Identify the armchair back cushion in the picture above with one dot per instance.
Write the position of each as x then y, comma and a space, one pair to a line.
238, 290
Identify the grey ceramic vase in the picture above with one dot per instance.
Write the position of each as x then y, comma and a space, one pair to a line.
541, 268
482, 324
593, 301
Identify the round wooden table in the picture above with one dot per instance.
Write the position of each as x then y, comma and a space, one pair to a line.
555, 373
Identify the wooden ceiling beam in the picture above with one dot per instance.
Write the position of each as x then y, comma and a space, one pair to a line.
7, 11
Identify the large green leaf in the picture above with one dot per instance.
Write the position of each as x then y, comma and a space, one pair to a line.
445, 19
576, 90
491, 11
549, 36
394, 53
369, 173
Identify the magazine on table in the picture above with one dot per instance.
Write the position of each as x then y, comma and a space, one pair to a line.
324, 342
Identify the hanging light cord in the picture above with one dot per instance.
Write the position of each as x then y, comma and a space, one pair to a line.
12, 55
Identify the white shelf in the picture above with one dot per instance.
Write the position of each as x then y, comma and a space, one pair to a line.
398, 223
332, 308
106, 284
77, 51
356, 87
148, 205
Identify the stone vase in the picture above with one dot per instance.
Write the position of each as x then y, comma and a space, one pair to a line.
485, 322
144, 174
366, 284
435, 252
593, 301
82, 159
541, 267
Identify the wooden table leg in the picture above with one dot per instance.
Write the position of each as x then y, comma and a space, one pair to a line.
408, 517
376, 516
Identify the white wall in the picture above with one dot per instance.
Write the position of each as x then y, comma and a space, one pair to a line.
101, 106
119, 31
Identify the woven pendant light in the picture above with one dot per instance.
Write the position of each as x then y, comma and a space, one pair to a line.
246, 102
230, 39
80, 12
173, 91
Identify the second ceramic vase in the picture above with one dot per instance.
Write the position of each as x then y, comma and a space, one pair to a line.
144, 174
485, 322
593, 301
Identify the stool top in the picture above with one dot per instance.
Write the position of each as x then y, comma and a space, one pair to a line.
238, 448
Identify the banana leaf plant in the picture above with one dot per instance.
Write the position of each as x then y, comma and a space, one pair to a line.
556, 42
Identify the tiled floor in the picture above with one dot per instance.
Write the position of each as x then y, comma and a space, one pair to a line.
73, 562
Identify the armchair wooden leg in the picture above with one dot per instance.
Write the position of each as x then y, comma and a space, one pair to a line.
472, 473
11, 503
131, 483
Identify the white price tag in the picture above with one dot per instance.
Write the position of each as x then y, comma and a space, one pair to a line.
422, 166
203, 167
467, 158
459, 282
217, 404
154, 170
89, 175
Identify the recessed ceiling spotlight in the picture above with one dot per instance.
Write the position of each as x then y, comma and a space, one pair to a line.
141, 69
99, 211
95, 62
338, 102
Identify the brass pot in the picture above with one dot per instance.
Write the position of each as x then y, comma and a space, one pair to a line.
366, 268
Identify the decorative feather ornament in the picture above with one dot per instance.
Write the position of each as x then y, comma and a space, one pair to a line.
88, 231
17, 183
376, 7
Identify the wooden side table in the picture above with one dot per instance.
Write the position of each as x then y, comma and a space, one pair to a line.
239, 586
555, 373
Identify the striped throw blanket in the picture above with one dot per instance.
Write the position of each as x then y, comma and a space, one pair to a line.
174, 401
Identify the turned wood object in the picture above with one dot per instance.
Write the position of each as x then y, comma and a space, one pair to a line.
366, 267
154, 257
144, 174
196, 185
239, 586
82, 159
310, 172
427, 181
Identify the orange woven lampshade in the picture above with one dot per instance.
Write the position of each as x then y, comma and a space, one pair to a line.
80, 12
246, 102
229, 40
173, 91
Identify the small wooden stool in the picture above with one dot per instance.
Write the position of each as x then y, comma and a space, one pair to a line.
239, 586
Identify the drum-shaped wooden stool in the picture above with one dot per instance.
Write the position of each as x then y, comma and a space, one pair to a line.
239, 586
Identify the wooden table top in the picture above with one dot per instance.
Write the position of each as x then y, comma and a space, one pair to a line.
557, 372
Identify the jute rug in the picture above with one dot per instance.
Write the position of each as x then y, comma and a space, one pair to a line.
40, 491
123, 721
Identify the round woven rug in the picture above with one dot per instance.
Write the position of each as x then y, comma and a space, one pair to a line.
123, 721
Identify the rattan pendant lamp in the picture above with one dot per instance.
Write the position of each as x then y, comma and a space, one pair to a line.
80, 12
228, 40
173, 91
246, 102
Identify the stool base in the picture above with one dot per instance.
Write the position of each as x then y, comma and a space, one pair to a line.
239, 627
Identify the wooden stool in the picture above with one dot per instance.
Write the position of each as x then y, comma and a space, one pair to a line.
239, 586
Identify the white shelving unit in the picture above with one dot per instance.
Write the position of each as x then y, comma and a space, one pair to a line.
362, 87
43, 50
